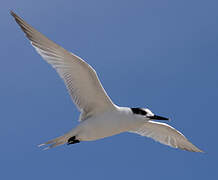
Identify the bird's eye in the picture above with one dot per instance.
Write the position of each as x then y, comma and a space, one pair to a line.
139, 111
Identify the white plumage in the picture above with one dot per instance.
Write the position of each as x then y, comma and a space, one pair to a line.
100, 117
165, 134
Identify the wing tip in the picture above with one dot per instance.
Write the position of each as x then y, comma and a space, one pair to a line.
13, 14
188, 146
195, 150
198, 150
17, 18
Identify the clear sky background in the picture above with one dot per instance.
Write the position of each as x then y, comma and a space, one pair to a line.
160, 54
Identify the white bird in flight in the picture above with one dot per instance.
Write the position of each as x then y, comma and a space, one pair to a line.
99, 117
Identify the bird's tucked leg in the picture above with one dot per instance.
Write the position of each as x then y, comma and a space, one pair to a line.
72, 140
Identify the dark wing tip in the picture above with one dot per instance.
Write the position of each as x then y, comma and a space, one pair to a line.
13, 14
16, 17
27, 29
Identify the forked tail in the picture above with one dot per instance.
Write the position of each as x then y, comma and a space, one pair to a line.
57, 141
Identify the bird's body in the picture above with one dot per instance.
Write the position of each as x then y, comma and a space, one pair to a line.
107, 124
100, 117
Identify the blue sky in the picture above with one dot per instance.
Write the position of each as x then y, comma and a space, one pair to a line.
157, 54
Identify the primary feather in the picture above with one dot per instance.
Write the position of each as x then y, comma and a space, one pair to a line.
80, 78
165, 134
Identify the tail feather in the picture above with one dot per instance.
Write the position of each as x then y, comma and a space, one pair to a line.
55, 142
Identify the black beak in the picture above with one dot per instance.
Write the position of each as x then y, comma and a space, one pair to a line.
155, 117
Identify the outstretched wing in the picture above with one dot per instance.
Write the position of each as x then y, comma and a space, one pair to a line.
166, 134
79, 77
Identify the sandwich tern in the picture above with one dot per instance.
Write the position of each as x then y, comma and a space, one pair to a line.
99, 117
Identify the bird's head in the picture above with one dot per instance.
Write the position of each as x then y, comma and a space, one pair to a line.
146, 113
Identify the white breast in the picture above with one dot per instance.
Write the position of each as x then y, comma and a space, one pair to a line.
107, 124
